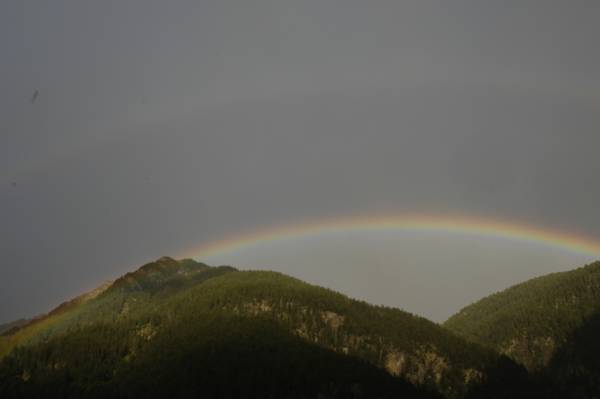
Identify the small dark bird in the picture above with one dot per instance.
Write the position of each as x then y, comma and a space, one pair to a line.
35, 96
14, 184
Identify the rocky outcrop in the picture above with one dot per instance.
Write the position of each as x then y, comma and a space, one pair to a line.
419, 364
534, 353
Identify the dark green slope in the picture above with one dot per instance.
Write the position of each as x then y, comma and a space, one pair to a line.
143, 319
534, 321
217, 356
574, 370
401, 343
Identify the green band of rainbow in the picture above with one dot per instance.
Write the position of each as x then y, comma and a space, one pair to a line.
408, 222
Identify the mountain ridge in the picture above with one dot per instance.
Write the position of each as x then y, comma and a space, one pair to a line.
166, 295
169, 311
530, 320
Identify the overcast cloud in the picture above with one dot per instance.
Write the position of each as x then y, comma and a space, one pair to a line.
162, 125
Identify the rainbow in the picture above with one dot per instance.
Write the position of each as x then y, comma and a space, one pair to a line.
478, 226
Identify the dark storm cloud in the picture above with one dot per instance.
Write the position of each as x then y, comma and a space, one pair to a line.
160, 125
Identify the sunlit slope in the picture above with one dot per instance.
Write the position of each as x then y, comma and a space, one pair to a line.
167, 303
148, 285
532, 321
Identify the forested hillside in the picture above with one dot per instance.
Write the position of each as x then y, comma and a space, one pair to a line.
532, 321
215, 357
170, 322
134, 292
185, 329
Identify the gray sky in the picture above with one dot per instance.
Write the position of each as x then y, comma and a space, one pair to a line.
161, 125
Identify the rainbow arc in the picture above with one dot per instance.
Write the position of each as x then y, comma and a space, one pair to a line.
404, 222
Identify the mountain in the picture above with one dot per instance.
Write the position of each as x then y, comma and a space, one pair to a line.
181, 328
530, 321
218, 357
549, 324
134, 292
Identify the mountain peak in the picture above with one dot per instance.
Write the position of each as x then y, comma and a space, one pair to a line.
160, 272
162, 263
165, 259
